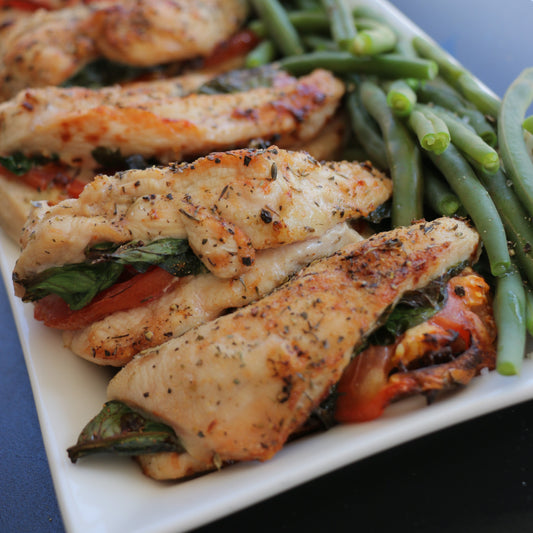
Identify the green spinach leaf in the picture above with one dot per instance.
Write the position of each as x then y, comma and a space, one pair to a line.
113, 160
173, 255
414, 308
77, 284
20, 164
121, 430
240, 80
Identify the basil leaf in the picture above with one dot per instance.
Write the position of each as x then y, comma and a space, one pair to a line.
173, 255
121, 430
20, 164
236, 81
113, 160
103, 72
400, 320
79, 283
414, 308
76, 283
17, 163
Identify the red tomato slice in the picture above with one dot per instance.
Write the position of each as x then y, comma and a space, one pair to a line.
455, 317
362, 389
74, 188
140, 289
365, 389
237, 45
49, 175
23, 5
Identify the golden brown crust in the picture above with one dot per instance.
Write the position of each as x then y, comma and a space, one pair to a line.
72, 122
46, 47
227, 205
115, 339
237, 387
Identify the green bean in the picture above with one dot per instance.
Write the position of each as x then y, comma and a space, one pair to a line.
449, 68
307, 4
278, 26
400, 97
403, 43
372, 38
262, 54
457, 76
310, 21
478, 204
527, 124
510, 316
516, 159
431, 131
447, 97
485, 101
366, 131
319, 43
468, 141
341, 22
386, 65
529, 310
515, 219
440, 93
438, 194
480, 125
402, 155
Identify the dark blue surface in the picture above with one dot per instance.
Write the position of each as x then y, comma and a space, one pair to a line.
476, 477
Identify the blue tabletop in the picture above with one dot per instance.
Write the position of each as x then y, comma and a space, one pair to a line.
474, 477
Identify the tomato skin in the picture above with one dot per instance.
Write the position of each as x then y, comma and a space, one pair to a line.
74, 188
22, 5
365, 388
237, 45
362, 389
54, 312
43, 177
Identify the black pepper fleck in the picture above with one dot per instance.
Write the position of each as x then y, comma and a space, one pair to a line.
266, 216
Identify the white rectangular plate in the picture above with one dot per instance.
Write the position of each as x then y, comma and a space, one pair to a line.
110, 494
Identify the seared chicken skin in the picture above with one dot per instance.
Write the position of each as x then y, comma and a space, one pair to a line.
73, 122
194, 300
17, 193
44, 48
227, 204
236, 388
148, 32
48, 47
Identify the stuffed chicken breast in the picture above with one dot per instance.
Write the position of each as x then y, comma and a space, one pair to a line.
47, 47
144, 255
71, 123
54, 140
236, 388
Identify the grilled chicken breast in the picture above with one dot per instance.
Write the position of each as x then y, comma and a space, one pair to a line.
17, 196
235, 389
16, 200
73, 122
148, 32
44, 48
47, 47
227, 204
198, 299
